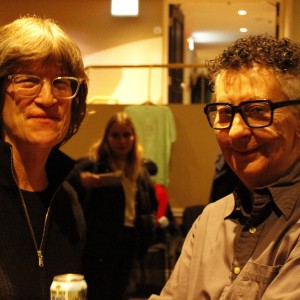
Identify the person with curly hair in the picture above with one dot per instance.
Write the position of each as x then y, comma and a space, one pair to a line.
247, 244
43, 102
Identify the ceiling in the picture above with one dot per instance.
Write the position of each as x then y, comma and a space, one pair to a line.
217, 19
217, 22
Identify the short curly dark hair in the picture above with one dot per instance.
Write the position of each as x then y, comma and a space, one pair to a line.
280, 55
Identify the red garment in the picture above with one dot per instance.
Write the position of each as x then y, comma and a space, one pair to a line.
163, 200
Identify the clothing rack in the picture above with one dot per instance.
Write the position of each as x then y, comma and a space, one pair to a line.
168, 66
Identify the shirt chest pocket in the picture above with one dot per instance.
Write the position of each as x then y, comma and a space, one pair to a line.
252, 282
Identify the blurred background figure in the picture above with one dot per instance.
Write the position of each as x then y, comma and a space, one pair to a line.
161, 196
152, 271
119, 201
166, 223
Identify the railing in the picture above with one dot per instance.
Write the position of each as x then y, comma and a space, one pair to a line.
136, 84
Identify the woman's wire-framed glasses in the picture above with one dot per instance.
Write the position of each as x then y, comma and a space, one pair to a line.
63, 87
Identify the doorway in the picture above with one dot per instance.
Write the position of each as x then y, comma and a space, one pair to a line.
176, 53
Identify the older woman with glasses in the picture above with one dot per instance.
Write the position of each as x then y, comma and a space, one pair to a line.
43, 93
247, 244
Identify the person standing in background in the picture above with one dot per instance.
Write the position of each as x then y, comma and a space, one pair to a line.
167, 229
247, 244
161, 194
119, 204
43, 93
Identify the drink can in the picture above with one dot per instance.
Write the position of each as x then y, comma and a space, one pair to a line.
68, 287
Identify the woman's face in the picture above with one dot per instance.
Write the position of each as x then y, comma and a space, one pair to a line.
120, 140
259, 156
42, 120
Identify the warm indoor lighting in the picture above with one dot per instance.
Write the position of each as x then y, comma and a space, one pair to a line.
125, 7
191, 43
243, 29
206, 37
242, 12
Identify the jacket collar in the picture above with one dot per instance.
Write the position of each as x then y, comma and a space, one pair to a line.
58, 166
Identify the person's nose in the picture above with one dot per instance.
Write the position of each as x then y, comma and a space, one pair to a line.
122, 139
238, 127
46, 97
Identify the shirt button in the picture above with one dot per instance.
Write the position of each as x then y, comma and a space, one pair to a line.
252, 229
236, 270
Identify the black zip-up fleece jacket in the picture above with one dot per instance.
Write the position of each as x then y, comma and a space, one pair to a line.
21, 277
104, 209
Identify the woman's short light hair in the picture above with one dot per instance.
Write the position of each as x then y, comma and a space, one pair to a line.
33, 39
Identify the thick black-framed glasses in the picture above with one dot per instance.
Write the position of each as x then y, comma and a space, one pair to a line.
63, 87
255, 113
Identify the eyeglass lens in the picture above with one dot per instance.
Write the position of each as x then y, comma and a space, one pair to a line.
254, 113
29, 86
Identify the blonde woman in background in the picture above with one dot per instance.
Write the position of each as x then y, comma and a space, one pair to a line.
119, 202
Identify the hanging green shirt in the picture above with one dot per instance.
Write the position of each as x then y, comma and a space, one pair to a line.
156, 131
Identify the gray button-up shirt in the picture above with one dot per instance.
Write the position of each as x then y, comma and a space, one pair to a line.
227, 256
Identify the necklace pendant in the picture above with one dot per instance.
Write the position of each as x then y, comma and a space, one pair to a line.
40, 256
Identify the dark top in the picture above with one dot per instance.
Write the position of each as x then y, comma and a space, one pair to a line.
21, 277
104, 209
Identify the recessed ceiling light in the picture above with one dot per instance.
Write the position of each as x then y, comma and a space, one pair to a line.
242, 12
243, 29
125, 8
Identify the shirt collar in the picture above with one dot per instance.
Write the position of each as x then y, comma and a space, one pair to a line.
286, 190
283, 193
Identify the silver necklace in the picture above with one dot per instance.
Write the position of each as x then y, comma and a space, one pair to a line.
39, 249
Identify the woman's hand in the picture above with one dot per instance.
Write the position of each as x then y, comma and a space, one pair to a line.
90, 180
